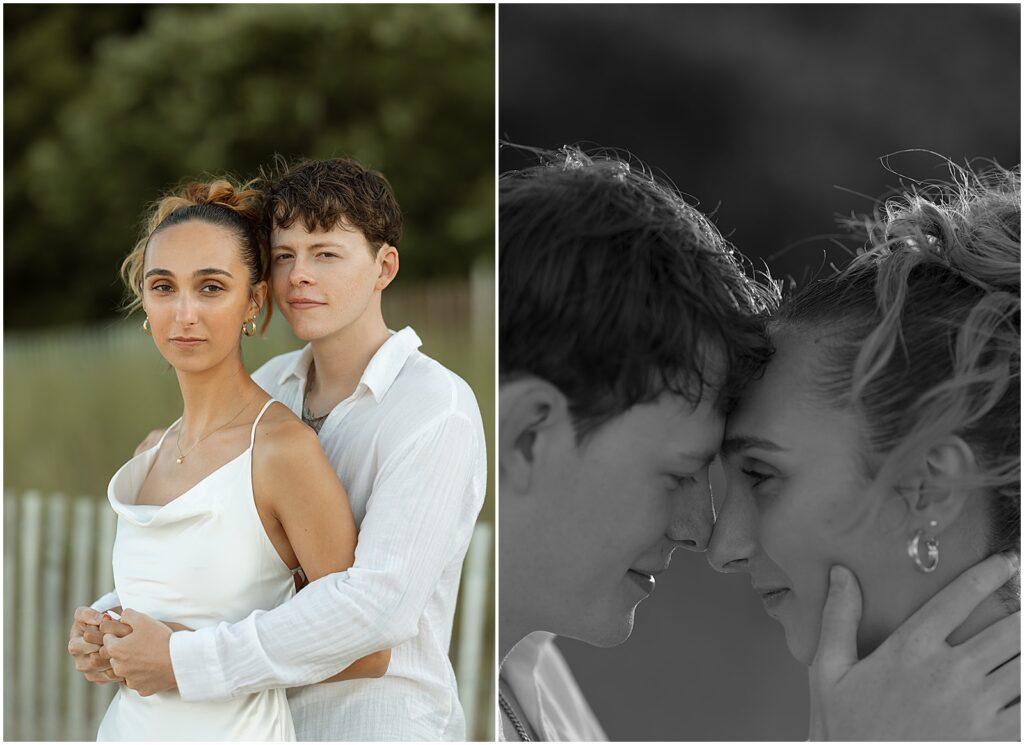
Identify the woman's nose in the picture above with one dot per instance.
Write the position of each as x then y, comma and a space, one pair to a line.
185, 311
732, 540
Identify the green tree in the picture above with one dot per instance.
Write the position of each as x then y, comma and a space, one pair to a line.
149, 99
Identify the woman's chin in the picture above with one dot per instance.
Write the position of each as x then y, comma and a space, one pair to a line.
802, 645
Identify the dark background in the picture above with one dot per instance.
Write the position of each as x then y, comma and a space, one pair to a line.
774, 119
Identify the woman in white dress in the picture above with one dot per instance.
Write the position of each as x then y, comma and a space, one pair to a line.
237, 495
884, 436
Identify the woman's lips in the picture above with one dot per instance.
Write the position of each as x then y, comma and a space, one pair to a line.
187, 342
773, 598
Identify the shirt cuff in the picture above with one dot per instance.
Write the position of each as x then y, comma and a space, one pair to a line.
105, 603
194, 662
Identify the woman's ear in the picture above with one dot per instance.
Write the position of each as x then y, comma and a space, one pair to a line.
529, 411
937, 490
257, 298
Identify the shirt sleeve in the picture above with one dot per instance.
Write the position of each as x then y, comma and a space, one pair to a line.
108, 601
420, 515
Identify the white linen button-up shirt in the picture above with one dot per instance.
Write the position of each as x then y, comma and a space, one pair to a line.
547, 693
409, 447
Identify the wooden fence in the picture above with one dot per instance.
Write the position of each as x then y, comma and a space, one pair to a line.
57, 557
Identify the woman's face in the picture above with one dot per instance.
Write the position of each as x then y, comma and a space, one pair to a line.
196, 293
798, 500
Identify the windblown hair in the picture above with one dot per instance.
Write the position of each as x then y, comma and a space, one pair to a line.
921, 333
324, 193
221, 203
615, 290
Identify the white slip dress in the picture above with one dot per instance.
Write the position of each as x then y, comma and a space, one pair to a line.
201, 559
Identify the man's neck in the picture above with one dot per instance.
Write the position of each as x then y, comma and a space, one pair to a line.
342, 357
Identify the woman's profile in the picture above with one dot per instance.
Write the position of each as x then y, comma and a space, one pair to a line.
211, 522
884, 436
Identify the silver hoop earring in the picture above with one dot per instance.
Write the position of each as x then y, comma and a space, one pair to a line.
931, 547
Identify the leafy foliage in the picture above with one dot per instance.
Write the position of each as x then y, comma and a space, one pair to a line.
108, 106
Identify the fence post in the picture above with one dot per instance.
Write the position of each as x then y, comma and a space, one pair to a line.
473, 616
107, 525
54, 644
28, 613
10, 609
80, 592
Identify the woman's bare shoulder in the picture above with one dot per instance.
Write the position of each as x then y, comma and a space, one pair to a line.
281, 433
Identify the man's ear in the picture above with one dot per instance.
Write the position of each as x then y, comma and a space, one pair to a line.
387, 259
529, 409
936, 491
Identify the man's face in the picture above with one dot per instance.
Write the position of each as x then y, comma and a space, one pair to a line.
605, 517
323, 281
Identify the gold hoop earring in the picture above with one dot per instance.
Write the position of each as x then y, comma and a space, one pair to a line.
931, 547
249, 327
145, 327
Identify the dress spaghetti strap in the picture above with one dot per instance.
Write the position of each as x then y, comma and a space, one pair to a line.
252, 434
164, 435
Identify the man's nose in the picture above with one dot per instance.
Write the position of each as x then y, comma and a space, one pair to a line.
692, 524
300, 274
732, 542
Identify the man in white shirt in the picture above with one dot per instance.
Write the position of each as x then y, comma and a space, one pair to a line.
406, 438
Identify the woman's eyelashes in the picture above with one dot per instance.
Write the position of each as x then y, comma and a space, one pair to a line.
756, 477
210, 288
757, 473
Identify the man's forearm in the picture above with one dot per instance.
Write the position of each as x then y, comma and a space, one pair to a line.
421, 517
248, 652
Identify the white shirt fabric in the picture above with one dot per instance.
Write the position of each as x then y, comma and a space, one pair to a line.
409, 447
547, 694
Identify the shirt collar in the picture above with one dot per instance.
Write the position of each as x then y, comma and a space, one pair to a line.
378, 376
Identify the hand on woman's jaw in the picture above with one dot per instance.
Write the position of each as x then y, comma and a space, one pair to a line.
916, 685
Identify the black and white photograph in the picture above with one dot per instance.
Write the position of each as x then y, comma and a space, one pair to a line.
759, 301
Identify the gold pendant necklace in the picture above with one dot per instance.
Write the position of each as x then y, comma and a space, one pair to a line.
177, 443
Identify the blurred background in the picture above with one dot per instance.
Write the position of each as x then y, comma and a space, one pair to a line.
105, 108
773, 119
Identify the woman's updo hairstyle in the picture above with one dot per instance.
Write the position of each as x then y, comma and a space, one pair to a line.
220, 203
920, 334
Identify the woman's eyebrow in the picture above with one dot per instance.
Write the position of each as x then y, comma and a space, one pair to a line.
209, 271
737, 443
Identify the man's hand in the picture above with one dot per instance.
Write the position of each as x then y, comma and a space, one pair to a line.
142, 658
916, 686
85, 646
